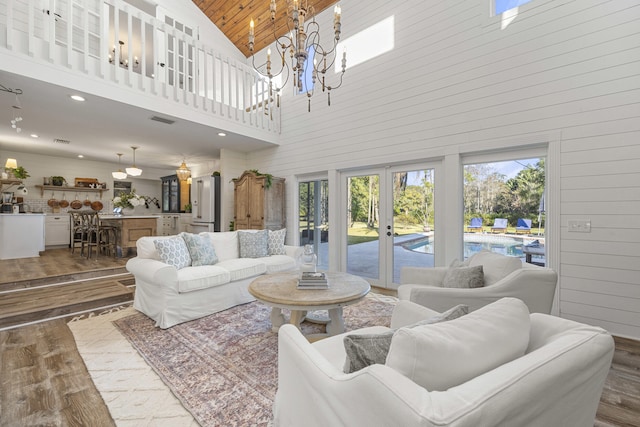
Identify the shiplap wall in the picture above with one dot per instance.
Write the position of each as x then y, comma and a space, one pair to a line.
455, 83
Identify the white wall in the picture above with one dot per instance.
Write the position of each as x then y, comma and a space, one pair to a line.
564, 73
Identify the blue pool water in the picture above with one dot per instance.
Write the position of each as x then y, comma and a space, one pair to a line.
475, 243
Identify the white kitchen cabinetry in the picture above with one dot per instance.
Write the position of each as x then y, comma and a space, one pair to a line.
185, 221
170, 224
57, 230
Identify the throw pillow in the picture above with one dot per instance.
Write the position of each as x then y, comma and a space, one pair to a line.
200, 249
254, 244
447, 354
173, 251
464, 277
276, 242
368, 349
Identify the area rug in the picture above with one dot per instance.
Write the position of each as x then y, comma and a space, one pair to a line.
223, 367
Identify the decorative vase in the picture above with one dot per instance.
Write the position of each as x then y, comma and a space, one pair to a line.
128, 211
308, 259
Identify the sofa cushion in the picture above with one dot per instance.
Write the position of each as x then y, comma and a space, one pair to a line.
276, 241
173, 251
242, 268
464, 277
441, 356
202, 277
278, 263
225, 243
495, 266
254, 244
367, 349
200, 249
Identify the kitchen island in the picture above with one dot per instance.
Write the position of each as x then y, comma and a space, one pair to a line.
21, 235
130, 228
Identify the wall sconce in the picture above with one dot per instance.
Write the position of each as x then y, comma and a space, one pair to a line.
123, 62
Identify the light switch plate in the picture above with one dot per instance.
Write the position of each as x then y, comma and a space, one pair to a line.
580, 226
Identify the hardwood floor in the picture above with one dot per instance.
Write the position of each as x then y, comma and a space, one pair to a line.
43, 380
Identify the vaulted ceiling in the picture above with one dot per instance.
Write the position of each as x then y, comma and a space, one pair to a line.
232, 17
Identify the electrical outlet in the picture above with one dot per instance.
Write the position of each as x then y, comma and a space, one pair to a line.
580, 226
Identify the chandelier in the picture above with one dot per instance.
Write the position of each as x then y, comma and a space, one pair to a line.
298, 44
121, 59
183, 172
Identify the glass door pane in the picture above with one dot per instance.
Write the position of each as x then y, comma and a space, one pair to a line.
363, 216
413, 219
313, 222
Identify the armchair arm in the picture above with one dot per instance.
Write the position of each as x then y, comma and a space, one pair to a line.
536, 287
313, 392
432, 276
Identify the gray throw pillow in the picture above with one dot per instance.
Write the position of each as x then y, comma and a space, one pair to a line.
464, 277
368, 349
254, 244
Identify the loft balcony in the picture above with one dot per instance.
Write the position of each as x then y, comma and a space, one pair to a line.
109, 48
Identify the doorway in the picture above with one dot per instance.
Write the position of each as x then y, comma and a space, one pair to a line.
389, 222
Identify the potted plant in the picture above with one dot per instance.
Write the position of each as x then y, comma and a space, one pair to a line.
21, 173
187, 208
58, 181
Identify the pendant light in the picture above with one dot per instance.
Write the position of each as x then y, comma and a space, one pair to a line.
183, 172
133, 170
119, 174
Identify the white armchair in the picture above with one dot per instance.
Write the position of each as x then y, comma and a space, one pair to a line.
557, 381
503, 276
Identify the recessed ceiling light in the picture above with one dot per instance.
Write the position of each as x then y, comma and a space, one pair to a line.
33, 135
77, 98
222, 134
80, 156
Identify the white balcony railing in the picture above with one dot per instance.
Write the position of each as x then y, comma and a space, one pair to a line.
112, 41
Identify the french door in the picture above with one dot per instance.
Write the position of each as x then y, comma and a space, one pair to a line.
389, 218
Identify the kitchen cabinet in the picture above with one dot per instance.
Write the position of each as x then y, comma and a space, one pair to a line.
175, 194
21, 235
258, 205
57, 230
169, 224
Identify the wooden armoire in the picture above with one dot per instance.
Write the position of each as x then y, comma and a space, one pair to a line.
258, 205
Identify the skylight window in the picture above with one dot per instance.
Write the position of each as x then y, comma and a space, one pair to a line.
501, 6
367, 44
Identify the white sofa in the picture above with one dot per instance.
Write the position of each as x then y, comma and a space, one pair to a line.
504, 276
557, 381
170, 295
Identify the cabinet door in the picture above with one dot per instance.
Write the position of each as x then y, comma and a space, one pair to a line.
56, 230
241, 199
256, 204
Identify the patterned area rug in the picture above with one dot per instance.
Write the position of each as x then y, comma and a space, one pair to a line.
223, 367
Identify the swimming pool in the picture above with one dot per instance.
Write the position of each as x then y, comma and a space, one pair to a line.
473, 243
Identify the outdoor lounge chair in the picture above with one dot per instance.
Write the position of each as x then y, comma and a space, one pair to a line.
523, 225
499, 225
475, 224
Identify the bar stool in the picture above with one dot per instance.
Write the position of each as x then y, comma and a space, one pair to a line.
108, 240
78, 232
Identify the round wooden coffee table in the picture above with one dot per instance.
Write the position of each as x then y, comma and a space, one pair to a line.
280, 291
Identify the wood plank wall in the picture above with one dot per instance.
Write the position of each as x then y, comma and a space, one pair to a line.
563, 72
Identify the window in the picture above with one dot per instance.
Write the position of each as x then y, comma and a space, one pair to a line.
504, 208
307, 75
500, 6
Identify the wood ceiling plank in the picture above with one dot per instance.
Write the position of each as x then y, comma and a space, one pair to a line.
232, 18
